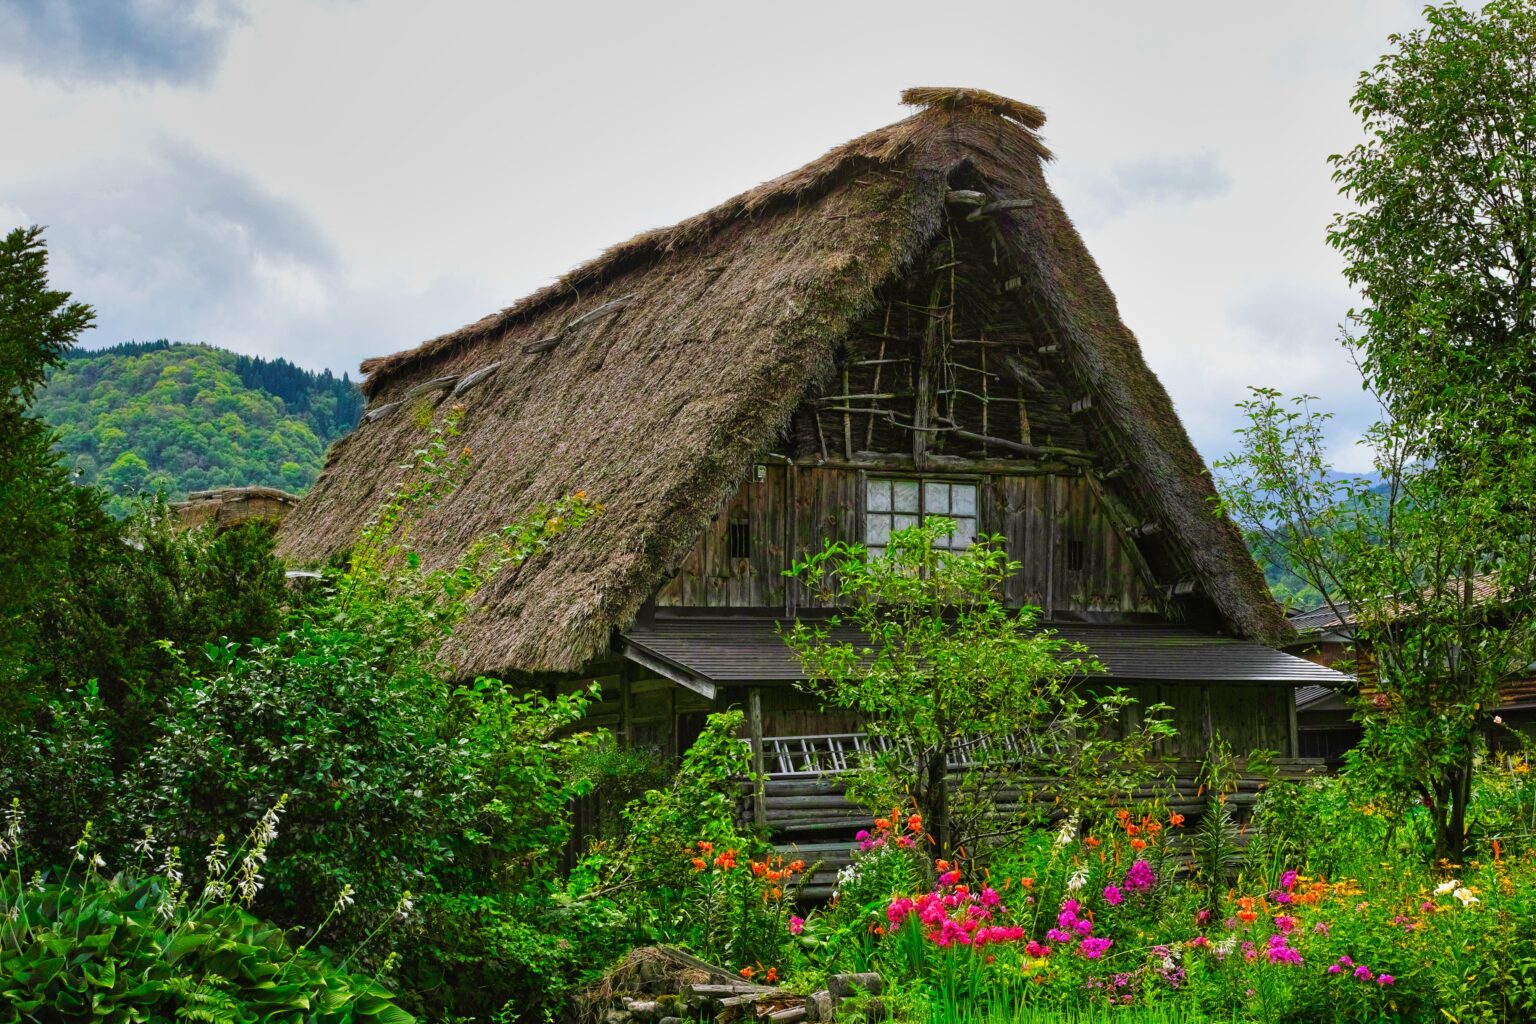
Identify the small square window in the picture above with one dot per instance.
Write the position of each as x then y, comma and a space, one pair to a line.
893, 504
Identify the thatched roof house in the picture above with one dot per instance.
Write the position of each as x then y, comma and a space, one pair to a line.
908, 326
656, 377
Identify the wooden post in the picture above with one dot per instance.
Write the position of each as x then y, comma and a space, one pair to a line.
1290, 698
755, 731
626, 711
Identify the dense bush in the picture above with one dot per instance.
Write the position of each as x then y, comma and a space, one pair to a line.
79, 944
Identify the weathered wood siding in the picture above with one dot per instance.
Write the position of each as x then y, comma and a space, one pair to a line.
1071, 544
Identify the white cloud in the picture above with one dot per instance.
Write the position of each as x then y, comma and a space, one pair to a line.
180, 42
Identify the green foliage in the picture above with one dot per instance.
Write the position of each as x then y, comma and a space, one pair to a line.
948, 674
40, 514
166, 418
396, 779
81, 945
699, 803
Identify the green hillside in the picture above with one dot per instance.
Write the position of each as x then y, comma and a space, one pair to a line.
156, 416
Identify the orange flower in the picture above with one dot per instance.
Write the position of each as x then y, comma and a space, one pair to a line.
746, 972
1138, 844
915, 823
726, 861
772, 975
1175, 819
882, 824
1247, 915
1091, 842
1131, 829
941, 866
706, 848
758, 867
1028, 883
795, 867
777, 893
698, 864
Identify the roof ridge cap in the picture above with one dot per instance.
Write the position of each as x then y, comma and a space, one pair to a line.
955, 99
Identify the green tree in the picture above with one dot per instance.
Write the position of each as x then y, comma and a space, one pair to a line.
1437, 567
41, 514
955, 686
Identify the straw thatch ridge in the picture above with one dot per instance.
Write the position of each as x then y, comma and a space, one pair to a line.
707, 336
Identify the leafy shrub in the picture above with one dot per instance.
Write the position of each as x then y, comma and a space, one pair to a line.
144, 946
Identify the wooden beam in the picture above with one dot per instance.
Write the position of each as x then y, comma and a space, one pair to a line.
755, 732
1000, 206
703, 687
545, 344
965, 196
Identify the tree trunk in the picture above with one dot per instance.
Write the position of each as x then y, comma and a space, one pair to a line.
936, 813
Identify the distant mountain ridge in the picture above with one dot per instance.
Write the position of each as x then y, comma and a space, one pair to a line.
177, 417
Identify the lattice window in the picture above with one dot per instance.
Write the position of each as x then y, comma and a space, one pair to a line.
897, 503
739, 537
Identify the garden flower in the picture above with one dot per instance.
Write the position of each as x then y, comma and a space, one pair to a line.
1140, 877
1288, 880
1280, 951
1385, 979
1364, 973
1285, 923
1094, 948
1113, 896
1036, 950
1078, 880
1445, 887
1175, 819
1466, 897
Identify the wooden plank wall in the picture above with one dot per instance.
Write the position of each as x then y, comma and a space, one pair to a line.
710, 578
795, 509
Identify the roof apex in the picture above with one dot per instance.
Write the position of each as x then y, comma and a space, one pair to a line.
951, 98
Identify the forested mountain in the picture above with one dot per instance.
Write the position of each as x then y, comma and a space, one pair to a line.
157, 416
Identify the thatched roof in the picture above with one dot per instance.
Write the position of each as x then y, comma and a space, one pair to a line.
706, 337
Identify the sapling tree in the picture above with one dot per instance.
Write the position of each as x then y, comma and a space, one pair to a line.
1430, 566
981, 719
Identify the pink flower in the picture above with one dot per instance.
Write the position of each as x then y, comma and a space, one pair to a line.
1285, 923
1036, 950
1288, 880
1140, 877
1335, 969
1095, 948
1364, 973
1386, 979
1113, 896
797, 924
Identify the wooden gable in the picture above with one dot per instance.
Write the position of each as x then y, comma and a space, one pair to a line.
953, 374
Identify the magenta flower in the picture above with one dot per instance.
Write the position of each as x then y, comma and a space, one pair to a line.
1113, 896
797, 925
1140, 877
1288, 880
1386, 979
1364, 973
1094, 948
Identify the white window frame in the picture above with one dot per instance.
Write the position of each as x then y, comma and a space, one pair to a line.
906, 502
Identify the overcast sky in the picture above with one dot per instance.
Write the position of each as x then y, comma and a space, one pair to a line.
332, 179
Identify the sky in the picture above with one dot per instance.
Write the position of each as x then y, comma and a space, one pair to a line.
325, 180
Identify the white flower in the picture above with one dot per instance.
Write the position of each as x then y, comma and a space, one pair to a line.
1445, 887
97, 862
1227, 945
147, 844
1078, 880
1067, 832
1498, 719
1466, 897
344, 898
405, 906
